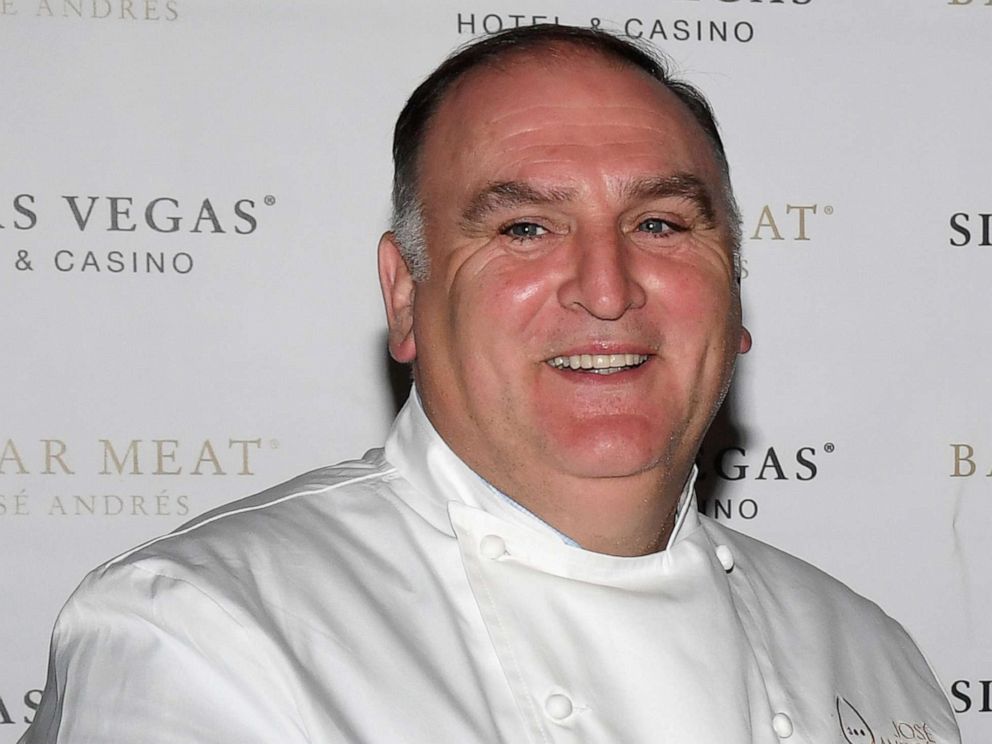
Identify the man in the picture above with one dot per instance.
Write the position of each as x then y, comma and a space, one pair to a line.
523, 561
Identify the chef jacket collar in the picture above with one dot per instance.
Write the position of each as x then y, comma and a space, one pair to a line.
421, 456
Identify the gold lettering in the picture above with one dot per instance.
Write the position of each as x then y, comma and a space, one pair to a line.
83, 506
10, 453
966, 459
767, 220
802, 217
51, 456
57, 503
245, 467
207, 454
67, 4
110, 454
7, 7
44, 4
162, 454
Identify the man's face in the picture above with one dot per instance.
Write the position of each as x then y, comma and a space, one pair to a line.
580, 318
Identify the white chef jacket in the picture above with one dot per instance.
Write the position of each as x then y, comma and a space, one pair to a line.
398, 599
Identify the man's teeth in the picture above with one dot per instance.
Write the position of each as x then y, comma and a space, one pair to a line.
602, 364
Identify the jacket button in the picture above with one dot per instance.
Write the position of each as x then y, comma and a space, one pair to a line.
782, 725
725, 557
558, 707
492, 547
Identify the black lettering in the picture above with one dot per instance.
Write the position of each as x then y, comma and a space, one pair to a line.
985, 227
115, 262
182, 263
150, 215
207, 213
4, 714
58, 260
25, 212
741, 470
771, 461
964, 697
117, 211
90, 262
745, 26
632, 34
681, 32
752, 509
808, 464
80, 220
249, 219
32, 699
956, 219
150, 263
987, 696
470, 23
496, 28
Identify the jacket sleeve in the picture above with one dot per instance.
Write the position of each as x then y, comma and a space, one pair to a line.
138, 655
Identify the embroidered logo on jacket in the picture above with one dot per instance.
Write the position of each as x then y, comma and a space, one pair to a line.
853, 725
856, 730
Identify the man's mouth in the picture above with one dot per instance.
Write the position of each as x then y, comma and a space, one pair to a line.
600, 364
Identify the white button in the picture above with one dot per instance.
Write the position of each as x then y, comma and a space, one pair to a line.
558, 706
725, 557
492, 547
782, 725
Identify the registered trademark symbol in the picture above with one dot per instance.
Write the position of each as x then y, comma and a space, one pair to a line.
828, 209
829, 447
273, 444
270, 200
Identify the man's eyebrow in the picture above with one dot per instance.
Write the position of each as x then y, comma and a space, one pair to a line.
684, 185
508, 194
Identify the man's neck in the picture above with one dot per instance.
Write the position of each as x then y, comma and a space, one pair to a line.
628, 516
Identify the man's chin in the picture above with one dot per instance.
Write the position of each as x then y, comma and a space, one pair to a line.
609, 455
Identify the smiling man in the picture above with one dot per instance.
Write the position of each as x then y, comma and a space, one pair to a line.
579, 323
523, 561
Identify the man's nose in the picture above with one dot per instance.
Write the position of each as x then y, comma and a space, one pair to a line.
602, 277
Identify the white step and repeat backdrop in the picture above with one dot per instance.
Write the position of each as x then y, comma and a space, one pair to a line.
190, 196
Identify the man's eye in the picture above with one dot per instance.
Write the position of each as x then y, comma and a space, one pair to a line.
658, 226
524, 230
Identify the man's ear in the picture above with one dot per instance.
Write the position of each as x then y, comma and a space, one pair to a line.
398, 290
745, 346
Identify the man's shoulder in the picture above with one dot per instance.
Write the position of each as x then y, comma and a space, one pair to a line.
802, 618
320, 489
299, 520
799, 587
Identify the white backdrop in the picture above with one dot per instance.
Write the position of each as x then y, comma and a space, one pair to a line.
190, 197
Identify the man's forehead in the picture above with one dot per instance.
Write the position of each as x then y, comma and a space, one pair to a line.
530, 120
